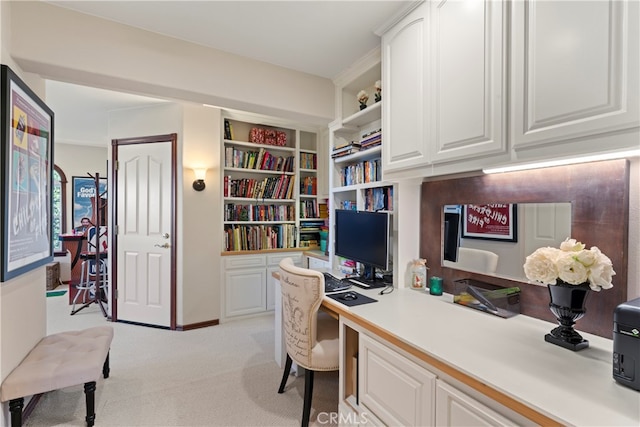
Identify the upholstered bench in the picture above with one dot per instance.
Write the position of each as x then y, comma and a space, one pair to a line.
58, 361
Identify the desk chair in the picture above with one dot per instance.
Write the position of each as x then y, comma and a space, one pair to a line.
93, 270
311, 338
475, 260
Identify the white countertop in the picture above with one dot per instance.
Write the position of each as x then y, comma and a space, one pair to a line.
510, 355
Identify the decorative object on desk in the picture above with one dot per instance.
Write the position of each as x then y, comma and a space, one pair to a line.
363, 97
435, 285
378, 94
419, 273
569, 272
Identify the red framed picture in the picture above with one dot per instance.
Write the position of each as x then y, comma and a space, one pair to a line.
490, 222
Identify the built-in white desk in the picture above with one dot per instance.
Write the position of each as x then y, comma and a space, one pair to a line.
505, 361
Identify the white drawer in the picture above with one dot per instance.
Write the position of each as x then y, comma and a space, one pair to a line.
244, 261
274, 259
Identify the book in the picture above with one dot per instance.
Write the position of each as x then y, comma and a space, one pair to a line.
351, 146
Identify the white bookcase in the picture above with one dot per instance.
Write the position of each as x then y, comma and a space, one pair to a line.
269, 188
355, 179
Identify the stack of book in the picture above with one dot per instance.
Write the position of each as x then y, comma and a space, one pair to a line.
371, 139
269, 188
345, 150
309, 186
323, 210
309, 209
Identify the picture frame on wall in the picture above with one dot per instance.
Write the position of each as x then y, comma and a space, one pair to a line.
84, 198
497, 221
26, 180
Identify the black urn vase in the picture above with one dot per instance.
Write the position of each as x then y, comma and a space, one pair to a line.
568, 305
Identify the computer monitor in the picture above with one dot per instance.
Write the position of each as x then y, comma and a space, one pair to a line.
363, 237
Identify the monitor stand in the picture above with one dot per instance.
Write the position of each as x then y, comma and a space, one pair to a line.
368, 280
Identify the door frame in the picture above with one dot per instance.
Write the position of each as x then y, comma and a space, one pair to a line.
115, 144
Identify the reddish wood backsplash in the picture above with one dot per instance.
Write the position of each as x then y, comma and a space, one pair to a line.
599, 196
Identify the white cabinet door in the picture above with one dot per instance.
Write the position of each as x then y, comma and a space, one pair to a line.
396, 390
404, 76
455, 408
468, 109
245, 291
574, 72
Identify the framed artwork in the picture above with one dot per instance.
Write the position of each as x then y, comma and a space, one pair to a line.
490, 222
84, 198
26, 178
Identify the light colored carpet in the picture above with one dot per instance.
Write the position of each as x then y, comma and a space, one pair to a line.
222, 375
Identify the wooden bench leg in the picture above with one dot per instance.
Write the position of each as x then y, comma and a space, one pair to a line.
15, 407
105, 367
89, 392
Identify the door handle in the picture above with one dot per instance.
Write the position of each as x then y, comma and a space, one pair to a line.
166, 246
165, 235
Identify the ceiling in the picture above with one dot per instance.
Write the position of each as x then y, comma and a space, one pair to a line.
322, 38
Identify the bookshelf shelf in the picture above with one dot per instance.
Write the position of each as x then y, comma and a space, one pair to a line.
257, 222
257, 171
368, 154
233, 142
371, 113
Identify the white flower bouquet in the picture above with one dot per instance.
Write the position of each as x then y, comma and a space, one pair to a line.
378, 94
363, 97
572, 264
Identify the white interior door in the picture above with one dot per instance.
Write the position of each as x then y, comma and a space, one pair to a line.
144, 240
547, 224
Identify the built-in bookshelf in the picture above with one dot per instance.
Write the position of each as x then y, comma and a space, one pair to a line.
356, 138
269, 184
310, 218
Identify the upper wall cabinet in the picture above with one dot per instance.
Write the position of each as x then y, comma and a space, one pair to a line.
445, 82
471, 83
575, 73
405, 110
468, 79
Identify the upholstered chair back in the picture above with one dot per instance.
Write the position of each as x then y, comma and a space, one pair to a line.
311, 343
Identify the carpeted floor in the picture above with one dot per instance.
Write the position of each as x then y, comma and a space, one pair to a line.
223, 375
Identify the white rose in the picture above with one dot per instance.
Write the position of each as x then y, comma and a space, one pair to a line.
570, 269
571, 245
540, 266
585, 257
601, 272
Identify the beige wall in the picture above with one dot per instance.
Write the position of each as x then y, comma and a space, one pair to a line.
22, 300
64, 45
198, 213
200, 228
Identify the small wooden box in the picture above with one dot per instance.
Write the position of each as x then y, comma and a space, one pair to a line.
53, 275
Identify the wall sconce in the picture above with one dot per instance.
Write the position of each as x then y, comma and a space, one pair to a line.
200, 174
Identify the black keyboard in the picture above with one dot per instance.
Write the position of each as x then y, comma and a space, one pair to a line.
333, 284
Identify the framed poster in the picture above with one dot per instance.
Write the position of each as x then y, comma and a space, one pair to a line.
490, 222
84, 198
26, 178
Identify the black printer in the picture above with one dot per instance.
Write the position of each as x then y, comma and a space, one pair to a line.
626, 344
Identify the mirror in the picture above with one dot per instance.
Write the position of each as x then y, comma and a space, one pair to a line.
495, 238
599, 197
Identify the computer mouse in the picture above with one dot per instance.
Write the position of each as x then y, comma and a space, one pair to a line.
348, 296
